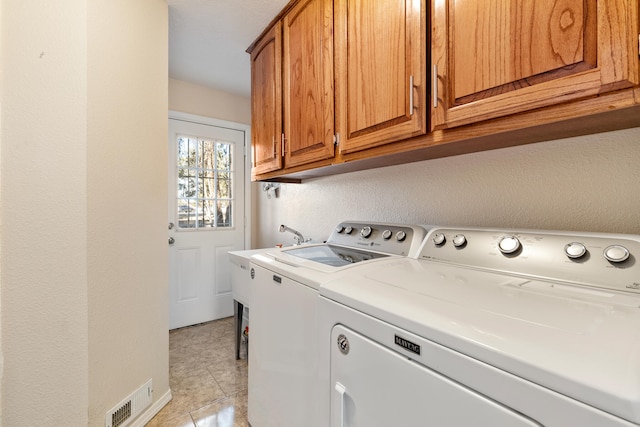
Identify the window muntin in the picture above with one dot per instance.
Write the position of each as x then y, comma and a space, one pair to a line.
205, 177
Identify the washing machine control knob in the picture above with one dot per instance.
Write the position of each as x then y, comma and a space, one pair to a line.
401, 235
348, 230
575, 250
366, 231
340, 229
509, 244
386, 234
459, 240
439, 239
616, 253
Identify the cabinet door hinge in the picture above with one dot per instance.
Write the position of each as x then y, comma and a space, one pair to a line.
283, 146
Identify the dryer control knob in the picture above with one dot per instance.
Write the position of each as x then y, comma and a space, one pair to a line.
386, 234
348, 230
459, 240
366, 231
509, 244
575, 250
339, 229
616, 253
400, 236
439, 239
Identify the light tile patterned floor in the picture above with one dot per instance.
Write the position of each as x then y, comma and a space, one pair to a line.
208, 385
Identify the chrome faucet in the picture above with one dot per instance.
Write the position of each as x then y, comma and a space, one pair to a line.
298, 237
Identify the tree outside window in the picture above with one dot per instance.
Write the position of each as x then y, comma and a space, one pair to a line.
205, 177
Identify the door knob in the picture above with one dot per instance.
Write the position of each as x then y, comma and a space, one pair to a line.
171, 225
171, 240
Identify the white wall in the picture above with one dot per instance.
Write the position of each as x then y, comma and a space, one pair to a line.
83, 177
586, 183
1, 80
203, 101
127, 200
44, 213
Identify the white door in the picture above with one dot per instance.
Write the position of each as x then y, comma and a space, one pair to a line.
206, 219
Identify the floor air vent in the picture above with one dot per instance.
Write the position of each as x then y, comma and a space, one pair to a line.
132, 406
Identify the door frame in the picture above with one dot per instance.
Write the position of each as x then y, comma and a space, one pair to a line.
246, 129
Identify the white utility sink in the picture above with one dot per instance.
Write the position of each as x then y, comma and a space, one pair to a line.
241, 289
240, 274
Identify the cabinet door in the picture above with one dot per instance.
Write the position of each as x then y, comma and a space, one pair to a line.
380, 71
266, 102
494, 58
308, 82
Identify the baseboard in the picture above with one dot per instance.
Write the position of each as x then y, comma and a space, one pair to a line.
151, 412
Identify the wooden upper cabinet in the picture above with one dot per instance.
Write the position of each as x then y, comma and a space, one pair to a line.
380, 71
493, 58
308, 82
266, 102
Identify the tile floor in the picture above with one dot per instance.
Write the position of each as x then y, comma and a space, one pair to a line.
208, 385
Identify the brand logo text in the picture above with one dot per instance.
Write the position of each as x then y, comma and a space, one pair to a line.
407, 345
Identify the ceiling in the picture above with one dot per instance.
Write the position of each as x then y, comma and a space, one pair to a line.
208, 40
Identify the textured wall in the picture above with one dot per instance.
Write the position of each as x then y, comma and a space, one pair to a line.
44, 213
194, 99
1, 354
84, 190
127, 201
586, 183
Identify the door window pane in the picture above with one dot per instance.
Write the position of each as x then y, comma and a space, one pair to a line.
205, 178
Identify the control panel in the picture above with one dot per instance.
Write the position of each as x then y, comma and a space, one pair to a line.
387, 238
610, 261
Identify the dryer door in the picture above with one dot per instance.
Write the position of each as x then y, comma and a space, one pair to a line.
374, 386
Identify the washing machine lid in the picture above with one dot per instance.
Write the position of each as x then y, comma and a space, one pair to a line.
314, 264
352, 243
581, 342
333, 255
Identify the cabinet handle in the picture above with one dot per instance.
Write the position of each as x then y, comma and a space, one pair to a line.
342, 391
435, 86
411, 95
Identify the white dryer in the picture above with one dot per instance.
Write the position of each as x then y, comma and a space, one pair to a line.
284, 388
487, 328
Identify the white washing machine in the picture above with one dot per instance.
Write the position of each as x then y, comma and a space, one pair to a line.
284, 388
487, 328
